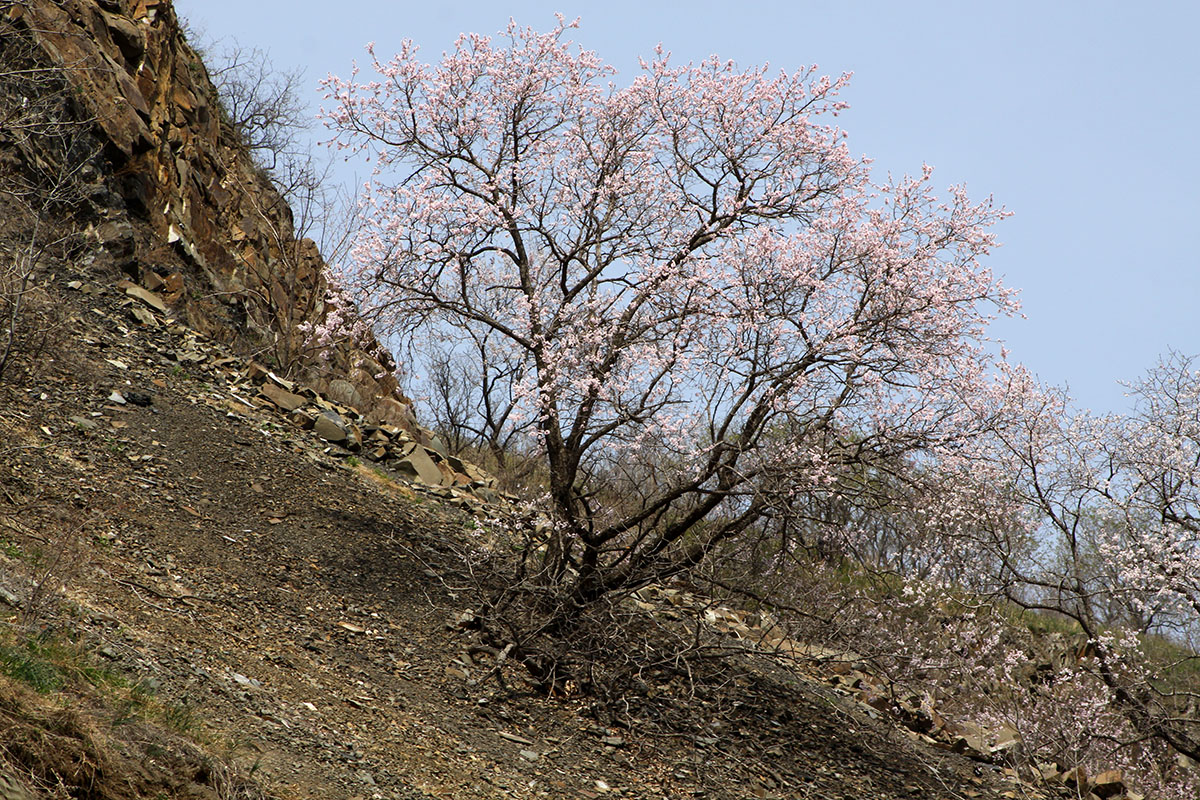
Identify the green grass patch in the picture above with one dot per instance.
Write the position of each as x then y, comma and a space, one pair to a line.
30, 663
10, 549
52, 661
56, 662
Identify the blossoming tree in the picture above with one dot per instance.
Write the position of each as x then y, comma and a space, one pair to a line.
1117, 501
704, 304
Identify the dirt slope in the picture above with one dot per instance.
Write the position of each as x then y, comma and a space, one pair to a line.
291, 607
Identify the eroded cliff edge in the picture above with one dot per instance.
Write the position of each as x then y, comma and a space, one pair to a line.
180, 206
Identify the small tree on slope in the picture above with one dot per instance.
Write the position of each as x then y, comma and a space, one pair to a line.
706, 306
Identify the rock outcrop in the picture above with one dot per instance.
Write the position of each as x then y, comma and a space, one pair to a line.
185, 211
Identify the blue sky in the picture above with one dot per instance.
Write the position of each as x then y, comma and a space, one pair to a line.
1081, 118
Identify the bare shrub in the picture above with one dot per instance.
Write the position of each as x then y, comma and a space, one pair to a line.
306, 219
259, 101
47, 160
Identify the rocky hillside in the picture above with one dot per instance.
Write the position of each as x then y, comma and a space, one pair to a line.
232, 569
180, 206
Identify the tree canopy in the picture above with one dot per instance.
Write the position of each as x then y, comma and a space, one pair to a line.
690, 282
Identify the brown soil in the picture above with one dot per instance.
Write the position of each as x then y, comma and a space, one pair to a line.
288, 610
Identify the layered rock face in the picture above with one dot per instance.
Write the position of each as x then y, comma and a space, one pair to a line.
186, 211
